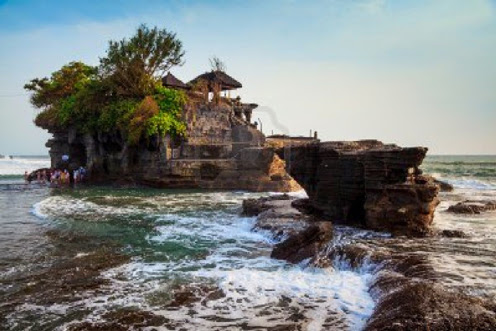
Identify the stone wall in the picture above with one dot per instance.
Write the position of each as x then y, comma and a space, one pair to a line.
209, 132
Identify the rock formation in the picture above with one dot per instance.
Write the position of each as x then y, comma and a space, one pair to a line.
472, 207
444, 186
221, 152
408, 301
303, 236
367, 183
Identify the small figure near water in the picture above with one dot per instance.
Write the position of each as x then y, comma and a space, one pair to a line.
75, 176
82, 173
63, 177
56, 177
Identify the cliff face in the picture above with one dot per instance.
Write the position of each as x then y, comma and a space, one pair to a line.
220, 152
368, 183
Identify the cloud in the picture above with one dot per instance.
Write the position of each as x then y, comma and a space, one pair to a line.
414, 72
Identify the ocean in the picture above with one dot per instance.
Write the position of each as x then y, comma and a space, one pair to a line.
73, 256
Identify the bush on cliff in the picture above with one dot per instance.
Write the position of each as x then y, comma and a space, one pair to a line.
123, 94
58, 95
168, 120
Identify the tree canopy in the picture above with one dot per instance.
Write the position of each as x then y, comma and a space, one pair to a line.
124, 93
131, 66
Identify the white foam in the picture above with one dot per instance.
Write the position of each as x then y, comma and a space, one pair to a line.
37, 210
17, 166
302, 194
469, 183
317, 287
237, 261
67, 207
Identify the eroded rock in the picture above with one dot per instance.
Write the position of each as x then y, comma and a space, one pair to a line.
220, 152
125, 319
444, 186
303, 235
407, 304
305, 244
254, 207
367, 183
472, 207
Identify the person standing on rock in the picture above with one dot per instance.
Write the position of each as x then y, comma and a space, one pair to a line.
82, 173
75, 176
44, 176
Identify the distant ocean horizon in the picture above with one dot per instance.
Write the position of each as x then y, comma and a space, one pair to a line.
14, 166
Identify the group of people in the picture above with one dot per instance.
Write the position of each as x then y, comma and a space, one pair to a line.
57, 177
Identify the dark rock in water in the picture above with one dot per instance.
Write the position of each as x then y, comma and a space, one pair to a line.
367, 183
472, 207
33, 176
354, 255
305, 244
304, 235
125, 319
281, 218
305, 206
187, 295
408, 294
413, 305
443, 186
402, 209
254, 207
452, 234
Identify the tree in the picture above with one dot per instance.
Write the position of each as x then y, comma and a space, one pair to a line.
124, 94
217, 64
61, 84
132, 67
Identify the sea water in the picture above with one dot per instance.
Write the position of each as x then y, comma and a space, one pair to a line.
163, 245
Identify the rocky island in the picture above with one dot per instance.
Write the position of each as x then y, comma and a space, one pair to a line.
126, 126
132, 122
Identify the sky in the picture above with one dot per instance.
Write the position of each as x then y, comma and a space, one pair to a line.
415, 73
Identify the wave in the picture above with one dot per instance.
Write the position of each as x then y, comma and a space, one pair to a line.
13, 176
199, 240
463, 163
471, 184
17, 166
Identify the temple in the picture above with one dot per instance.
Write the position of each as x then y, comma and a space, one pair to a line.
222, 148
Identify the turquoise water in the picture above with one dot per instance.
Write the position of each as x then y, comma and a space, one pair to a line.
161, 245
176, 242
468, 171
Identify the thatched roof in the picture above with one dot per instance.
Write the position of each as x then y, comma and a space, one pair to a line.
225, 81
170, 80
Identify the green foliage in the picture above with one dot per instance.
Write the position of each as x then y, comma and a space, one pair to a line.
117, 115
69, 79
66, 109
123, 94
59, 94
165, 123
168, 121
131, 66
170, 100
